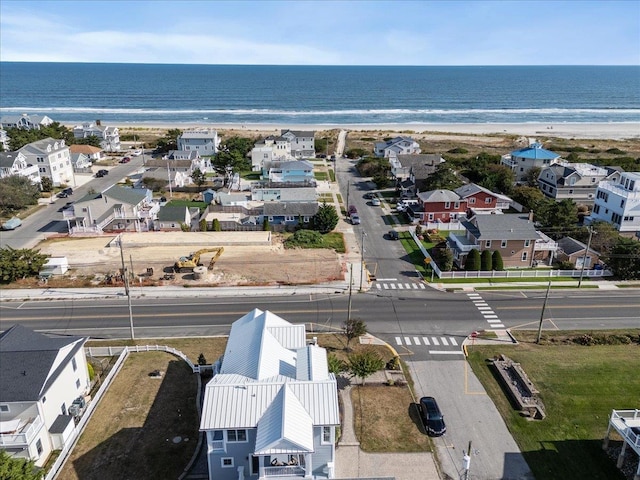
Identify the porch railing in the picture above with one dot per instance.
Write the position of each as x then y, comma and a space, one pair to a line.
284, 471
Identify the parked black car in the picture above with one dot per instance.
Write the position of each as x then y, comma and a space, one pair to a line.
393, 235
102, 173
431, 416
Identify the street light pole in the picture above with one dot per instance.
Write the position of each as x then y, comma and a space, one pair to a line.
584, 257
362, 260
127, 290
544, 306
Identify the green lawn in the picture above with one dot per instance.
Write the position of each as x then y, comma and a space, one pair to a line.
579, 386
187, 203
332, 175
333, 240
321, 176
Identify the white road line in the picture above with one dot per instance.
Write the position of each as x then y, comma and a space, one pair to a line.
378, 286
497, 325
435, 341
444, 341
491, 320
386, 287
446, 352
407, 285
488, 312
416, 340
474, 295
422, 286
415, 286
407, 341
393, 286
484, 308
479, 302
453, 341
400, 287
487, 316
386, 279
398, 341
426, 341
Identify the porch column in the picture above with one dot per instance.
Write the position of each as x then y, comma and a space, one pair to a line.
605, 443
308, 465
622, 453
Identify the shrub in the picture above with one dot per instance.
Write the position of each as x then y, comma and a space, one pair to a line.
486, 261
496, 261
307, 238
472, 263
458, 150
201, 359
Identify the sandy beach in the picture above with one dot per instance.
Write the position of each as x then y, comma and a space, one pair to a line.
613, 131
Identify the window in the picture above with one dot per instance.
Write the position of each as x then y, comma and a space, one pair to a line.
226, 462
39, 446
74, 364
77, 383
503, 244
570, 191
236, 436
4, 408
621, 203
430, 216
524, 256
527, 243
472, 200
596, 209
326, 435
447, 205
487, 244
63, 409
488, 200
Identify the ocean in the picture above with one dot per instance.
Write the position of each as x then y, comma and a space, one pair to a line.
219, 94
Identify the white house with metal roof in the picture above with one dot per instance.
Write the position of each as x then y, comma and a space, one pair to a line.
109, 136
302, 143
40, 377
524, 159
15, 163
53, 159
271, 410
396, 146
204, 141
25, 121
618, 203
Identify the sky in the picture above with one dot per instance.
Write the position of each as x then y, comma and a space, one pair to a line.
306, 32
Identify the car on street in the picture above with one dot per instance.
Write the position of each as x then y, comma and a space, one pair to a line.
136, 153
375, 201
102, 173
432, 417
63, 194
394, 235
125, 160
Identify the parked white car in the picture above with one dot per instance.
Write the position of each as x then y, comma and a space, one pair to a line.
136, 153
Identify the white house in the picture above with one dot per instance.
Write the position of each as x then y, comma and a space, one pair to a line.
53, 159
94, 153
204, 141
15, 163
109, 136
618, 202
40, 377
25, 122
575, 181
524, 159
4, 139
397, 146
271, 149
271, 408
303, 143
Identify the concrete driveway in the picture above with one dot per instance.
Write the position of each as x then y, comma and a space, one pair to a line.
470, 415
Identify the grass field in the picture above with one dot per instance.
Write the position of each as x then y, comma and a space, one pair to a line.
579, 386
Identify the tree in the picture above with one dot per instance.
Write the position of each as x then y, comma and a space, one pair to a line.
16, 192
20, 263
203, 225
202, 359
334, 364
498, 178
265, 224
443, 178
169, 141
353, 327
486, 261
624, 259
226, 161
18, 468
472, 263
90, 140
198, 177
443, 257
46, 184
326, 219
603, 239
558, 219
529, 197
215, 225
532, 176
496, 261
364, 363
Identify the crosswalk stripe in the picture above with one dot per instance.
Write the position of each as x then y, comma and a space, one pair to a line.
497, 325
435, 341
407, 285
407, 340
385, 286
415, 286
491, 320
479, 301
453, 341
481, 304
487, 316
422, 286
484, 308
398, 341
416, 340
444, 341
400, 287
473, 294
393, 286
425, 340
378, 286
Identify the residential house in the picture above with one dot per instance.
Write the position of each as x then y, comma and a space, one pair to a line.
4, 140
398, 146
513, 235
575, 181
204, 141
25, 121
53, 159
227, 199
289, 213
109, 136
15, 163
283, 194
40, 377
271, 149
118, 209
271, 410
296, 171
171, 218
303, 143
522, 160
572, 250
176, 170
618, 202
482, 200
81, 163
438, 207
411, 171
204, 164
94, 153
244, 217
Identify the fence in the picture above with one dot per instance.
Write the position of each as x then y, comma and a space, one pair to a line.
123, 353
520, 273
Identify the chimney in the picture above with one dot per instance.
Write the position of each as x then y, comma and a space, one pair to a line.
531, 215
98, 122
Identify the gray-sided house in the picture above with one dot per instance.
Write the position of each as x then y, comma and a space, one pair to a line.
572, 250
271, 410
40, 378
171, 218
302, 143
289, 213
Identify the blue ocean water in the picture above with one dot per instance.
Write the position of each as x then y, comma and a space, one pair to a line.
218, 94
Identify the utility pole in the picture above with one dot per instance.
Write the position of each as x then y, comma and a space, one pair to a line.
584, 257
544, 306
466, 461
362, 259
350, 290
125, 276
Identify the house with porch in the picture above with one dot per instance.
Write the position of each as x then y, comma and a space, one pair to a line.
40, 378
171, 218
25, 121
437, 207
288, 214
204, 141
15, 163
513, 235
522, 160
117, 209
261, 193
575, 181
302, 143
271, 409
4, 140
618, 203
53, 159
94, 153
295, 171
482, 200
411, 171
109, 136
397, 146
273, 148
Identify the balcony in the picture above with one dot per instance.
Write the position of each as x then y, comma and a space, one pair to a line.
284, 471
462, 244
619, 190
544, 243
23, 434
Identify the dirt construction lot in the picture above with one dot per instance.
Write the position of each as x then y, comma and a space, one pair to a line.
269, 263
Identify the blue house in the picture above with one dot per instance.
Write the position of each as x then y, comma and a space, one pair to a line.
271, 408
295, 171
289, 213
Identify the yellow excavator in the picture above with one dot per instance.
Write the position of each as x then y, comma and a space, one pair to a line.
187, 264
